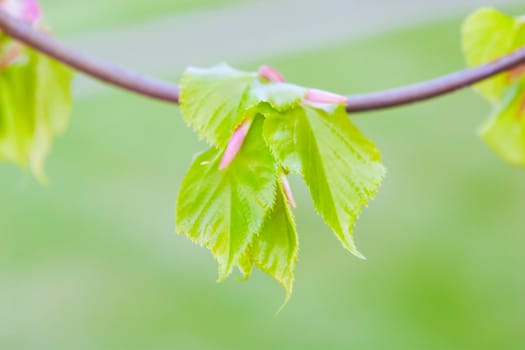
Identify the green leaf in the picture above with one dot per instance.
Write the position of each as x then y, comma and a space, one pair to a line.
215, 100
54, 99
35, 106
275, 249
487, 35
340, 166
505, 132
279, 96
224, 210
242, 214
245, 264
211, 101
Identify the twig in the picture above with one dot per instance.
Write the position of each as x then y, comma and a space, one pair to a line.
95, 68
162, 90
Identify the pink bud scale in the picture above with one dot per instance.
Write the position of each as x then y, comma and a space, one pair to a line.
235, 143
288, 191
271, 74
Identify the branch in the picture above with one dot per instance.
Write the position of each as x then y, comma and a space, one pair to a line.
165, 91
435, 87
95, 68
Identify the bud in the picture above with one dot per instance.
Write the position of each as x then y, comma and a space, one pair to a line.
314, 96
24, 10
521, 112
235, 143
516, 73
288, 191
271, 74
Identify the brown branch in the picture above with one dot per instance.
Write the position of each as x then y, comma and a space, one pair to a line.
95, 68
165, 91
435, 87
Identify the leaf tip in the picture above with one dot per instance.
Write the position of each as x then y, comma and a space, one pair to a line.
349, 244
224, 271
286, 300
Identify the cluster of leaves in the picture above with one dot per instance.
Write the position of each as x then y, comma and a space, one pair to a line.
488, 35
235, 198
242, 212
35, 103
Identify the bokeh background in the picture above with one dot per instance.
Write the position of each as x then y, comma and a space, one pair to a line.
91, 261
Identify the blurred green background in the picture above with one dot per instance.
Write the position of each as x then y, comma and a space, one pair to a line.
92, 261
77, 16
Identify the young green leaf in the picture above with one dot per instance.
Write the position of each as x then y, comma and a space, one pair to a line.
505, 132
487, 35
16, 114
227, 201
275, 248
53, 104
211, 101
215, 101
340, 166
54, 99
36, 103
224, 209
279, 96
245, 264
